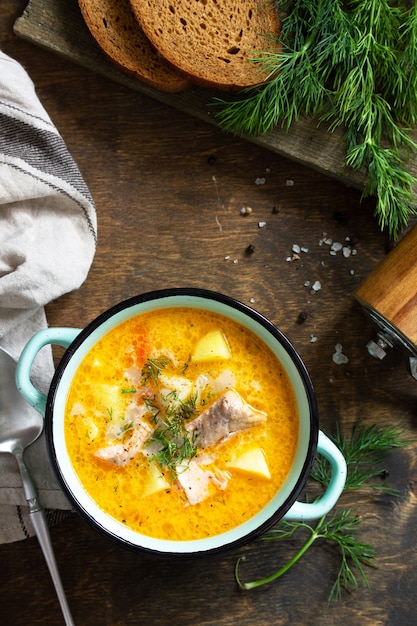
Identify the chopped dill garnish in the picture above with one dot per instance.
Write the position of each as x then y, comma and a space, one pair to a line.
152, 407
152, 369
178, 446
180, 408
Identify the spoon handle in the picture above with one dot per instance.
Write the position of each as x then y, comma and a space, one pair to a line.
40, 525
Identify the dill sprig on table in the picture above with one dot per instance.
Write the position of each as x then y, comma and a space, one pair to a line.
367, 447
350, 64
364, 452
339, 529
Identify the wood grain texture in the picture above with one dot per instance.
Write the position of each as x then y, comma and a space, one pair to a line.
169, 189
57, 25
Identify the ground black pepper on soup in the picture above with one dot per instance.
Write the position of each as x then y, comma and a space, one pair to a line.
181, 423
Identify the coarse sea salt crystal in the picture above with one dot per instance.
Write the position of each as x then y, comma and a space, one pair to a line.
260, 181
289, 182
261, 224
313, 338
336, 246
296, 248
338, 357
316, 286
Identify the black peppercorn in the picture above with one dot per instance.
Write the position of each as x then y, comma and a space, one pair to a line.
302, 316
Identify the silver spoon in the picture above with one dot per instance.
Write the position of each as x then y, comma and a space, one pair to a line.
18, 429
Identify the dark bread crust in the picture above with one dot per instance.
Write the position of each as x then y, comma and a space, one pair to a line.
212, 41
121, 38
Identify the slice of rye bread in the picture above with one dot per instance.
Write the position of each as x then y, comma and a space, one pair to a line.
119, 35
212, 41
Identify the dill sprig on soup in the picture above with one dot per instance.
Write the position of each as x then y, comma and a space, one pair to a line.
181, 423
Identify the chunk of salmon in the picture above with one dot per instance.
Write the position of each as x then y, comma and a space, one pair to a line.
229, 414
122, 453
199, 483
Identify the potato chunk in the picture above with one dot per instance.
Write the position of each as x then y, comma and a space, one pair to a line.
86, 427
155, 481
253, 461
212, 346
107, 398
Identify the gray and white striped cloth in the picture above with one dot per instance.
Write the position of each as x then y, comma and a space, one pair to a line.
47, 244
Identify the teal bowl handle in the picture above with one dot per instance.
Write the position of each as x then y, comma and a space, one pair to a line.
301, 511
59, 336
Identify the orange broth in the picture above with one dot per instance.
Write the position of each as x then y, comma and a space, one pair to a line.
101, 391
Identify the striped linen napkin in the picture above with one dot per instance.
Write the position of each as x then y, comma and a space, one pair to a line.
47, 244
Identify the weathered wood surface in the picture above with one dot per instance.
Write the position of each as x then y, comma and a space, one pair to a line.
168, 189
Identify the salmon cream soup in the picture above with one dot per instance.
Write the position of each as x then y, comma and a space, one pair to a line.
181, 423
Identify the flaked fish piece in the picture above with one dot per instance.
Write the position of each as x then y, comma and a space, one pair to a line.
134, 374
199, 483
122, 453
78, 409
229, 414
119, 425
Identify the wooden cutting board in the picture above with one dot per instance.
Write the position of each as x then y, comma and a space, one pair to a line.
57, 25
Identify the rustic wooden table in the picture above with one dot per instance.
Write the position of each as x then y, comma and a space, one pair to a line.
169, 189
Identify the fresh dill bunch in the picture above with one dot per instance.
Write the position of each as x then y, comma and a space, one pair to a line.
362, 102
405, 90
298, 74
339, 529
364, 451
351, 65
